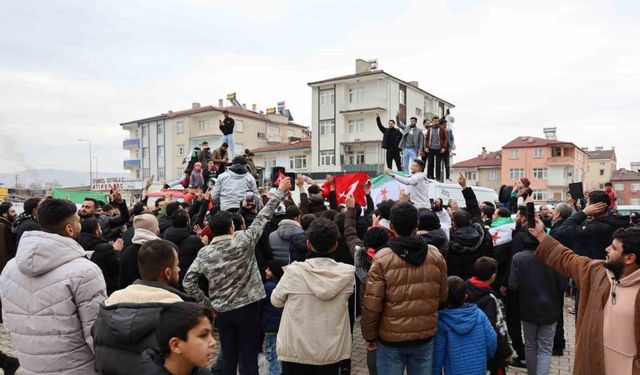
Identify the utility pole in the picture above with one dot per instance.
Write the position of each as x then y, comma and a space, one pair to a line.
90, 160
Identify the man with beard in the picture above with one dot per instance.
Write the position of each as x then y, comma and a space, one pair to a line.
7, 238
50, 295
91, 206
607, 338
126, 324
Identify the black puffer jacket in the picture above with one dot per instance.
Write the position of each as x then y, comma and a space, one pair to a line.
437, 238
465, 246
122, 331
280, 240
562, 233
188, 246
104, 256
152, 363
391, 137
592, 237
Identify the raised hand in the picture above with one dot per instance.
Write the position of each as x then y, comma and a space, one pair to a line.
595, 208
350, 201
118, 244
285, 185
462, 181
404, 196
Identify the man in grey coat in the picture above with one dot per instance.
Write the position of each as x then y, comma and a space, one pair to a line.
51, 294
412, 143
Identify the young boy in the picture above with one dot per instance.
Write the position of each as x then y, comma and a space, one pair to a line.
185, 342
314, 333
271, 316
465, 338
480, 293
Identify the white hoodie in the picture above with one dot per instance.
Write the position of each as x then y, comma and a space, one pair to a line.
314, 328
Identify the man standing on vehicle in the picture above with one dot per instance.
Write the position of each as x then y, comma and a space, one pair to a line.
226, 126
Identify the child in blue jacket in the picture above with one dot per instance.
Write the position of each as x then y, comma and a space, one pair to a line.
465, 338
271, 317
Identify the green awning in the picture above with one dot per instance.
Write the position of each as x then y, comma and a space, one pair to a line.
78, 197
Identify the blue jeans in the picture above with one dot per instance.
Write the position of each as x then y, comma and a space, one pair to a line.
270, 352
408, 156
417, 359
538, 343
228, 139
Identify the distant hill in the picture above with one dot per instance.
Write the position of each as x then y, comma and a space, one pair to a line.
44, 176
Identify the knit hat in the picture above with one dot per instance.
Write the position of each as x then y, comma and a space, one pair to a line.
428, 221
525, 181
276, 269
146, 221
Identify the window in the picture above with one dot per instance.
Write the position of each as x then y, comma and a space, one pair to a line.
239, 126
291, 133
355, 159
327, 127
179, 127
539, 195
418, 112
356, 126
160, 129
539, 173
635, 201
618, 187
146, 173
356, 95
137, 174
327, 97
516, 173
471, 175
537, 153
298, 162
160, 173
144, 130
203, 125
161, 153
493, 175
513, 154
327, 158
145, 153
556, 152
402, 97
273, 132
635, 188
269, 163
180, 172
180, 150
602, 172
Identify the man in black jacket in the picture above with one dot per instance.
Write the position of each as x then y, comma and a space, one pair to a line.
187, 241
107, 223
391, 142
127, 320
104, 252
226, 127
27, 220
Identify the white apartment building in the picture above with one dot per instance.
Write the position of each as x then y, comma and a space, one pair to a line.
345, 135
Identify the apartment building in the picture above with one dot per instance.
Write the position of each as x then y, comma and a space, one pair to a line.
601, 166
483, 170
293, 156
551, 165
626, 183
159, 145
345, 135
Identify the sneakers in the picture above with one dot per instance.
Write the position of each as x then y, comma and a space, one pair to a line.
8, 364
517, 362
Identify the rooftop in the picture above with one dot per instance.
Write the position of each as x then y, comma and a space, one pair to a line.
526, 141
625, 175
372, 73
602, 154
491, 159
296, 145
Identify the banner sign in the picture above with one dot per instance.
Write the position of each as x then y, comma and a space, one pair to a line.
106, 184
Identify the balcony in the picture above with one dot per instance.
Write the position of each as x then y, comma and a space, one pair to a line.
376, 168
130, 143
131, 164
561, 160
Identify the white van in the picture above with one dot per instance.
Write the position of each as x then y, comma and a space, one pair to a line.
454, 191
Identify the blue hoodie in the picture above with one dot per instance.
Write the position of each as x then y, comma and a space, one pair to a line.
464, 342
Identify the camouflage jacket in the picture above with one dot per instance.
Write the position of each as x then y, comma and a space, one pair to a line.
229, 264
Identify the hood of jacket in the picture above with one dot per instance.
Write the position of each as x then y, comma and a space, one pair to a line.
41, 252
467, 239
288, 228
141, 235
176, 235
625, 282
435, 237
460, 320
325, 277
89, 241
412, 250
238, 170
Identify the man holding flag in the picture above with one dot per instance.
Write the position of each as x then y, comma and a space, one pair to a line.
418, 183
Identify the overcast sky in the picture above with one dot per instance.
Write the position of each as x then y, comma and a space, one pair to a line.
77, 69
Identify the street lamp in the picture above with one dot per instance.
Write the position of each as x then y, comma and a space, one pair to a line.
90, 161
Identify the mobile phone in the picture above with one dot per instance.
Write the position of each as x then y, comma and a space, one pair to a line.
292, 176
249, 196
531, 215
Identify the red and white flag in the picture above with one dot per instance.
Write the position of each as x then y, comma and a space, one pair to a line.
347, 184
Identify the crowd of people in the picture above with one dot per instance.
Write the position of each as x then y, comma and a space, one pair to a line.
117, 288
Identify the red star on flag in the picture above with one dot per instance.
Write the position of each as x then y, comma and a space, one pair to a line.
495, 237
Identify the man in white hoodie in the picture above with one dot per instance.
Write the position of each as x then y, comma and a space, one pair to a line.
51, 294
314, 334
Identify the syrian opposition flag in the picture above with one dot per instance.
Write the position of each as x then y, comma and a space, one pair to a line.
385, 187
347, 184
502, 230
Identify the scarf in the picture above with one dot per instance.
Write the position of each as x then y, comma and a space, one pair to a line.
19, 219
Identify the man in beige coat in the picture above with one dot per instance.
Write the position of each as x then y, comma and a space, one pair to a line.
608, 326
314, 334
